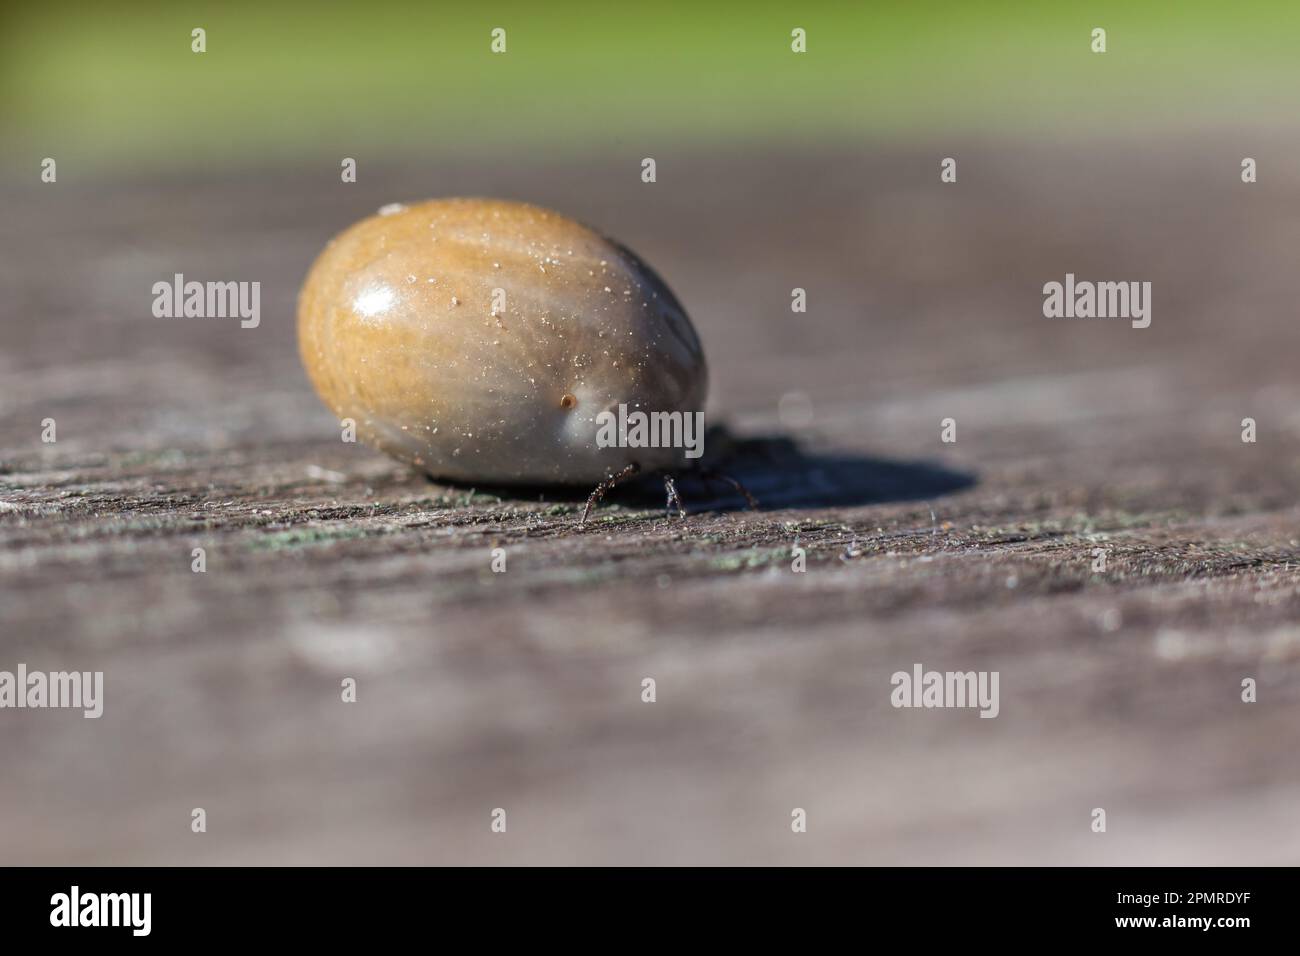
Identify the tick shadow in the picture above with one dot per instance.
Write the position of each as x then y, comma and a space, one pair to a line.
781, 475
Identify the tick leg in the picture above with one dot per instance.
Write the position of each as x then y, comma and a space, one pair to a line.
606, 483
750, 500
673, 497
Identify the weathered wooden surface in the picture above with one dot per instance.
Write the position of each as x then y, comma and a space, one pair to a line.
522, 690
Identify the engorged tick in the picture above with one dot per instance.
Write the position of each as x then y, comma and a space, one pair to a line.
521, 399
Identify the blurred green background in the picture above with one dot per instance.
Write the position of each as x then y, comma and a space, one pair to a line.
116, 83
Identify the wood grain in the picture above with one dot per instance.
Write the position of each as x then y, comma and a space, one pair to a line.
1119, 689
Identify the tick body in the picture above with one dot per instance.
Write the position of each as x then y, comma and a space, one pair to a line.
479, 340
